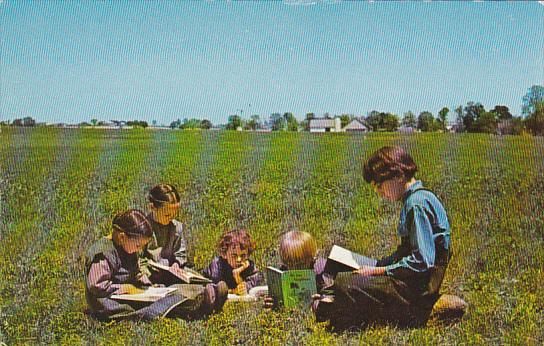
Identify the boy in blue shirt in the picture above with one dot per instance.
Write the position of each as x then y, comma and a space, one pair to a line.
402, 287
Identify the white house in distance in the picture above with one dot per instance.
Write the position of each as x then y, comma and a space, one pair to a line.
335, 125
355, 126
326, 125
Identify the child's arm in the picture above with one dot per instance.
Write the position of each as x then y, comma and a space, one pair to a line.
180, 246
422, 254
402, 250
214, 272
99, 280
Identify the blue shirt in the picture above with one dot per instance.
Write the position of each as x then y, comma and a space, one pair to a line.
423, 225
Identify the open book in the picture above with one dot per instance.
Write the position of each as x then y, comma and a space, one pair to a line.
291, 288
186, 275
152, 294
252, 296
342, 260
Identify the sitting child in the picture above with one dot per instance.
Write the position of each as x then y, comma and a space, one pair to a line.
298, 250
112, 267
402, 287
167, 246
233, 264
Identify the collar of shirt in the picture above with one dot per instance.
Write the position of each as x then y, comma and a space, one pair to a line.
417, 185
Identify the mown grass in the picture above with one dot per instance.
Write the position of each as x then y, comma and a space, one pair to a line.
492, 188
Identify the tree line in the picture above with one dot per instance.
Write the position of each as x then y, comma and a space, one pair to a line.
473, 117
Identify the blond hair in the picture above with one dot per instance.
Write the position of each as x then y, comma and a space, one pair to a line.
298, 250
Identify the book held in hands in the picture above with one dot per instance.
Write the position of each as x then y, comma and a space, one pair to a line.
291, 288
186, 275
344, 260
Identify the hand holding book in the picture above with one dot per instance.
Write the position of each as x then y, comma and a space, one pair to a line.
370, 271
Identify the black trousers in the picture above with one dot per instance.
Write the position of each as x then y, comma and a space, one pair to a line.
361, 300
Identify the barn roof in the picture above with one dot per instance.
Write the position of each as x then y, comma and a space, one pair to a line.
321, 123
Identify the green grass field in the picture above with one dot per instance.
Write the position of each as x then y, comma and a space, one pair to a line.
61, 188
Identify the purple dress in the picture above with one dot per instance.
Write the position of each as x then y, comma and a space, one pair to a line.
220, 270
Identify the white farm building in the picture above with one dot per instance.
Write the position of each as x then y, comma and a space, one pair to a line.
326, 125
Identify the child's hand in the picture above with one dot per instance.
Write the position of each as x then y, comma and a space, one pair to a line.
241, 268
237, 272
175, 268
370, 271
323, 298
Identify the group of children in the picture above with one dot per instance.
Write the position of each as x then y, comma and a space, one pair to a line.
401, 288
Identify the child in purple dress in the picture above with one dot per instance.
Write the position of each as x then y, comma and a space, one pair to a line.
233, 265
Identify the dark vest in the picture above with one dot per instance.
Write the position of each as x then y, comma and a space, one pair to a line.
124, 266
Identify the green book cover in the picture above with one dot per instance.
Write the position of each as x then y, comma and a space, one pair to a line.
291, 288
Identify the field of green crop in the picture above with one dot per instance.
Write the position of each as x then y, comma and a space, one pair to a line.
59, 190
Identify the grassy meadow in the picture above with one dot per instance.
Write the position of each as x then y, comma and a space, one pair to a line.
61, 187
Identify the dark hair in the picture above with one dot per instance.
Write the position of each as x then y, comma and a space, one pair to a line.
234, 237
133, 223
163, 194
388, 163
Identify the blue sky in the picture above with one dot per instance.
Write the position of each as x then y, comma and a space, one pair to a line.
67, 61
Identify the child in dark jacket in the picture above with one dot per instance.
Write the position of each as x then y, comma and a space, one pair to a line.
168, 245
233, 264
112, 268
402, 287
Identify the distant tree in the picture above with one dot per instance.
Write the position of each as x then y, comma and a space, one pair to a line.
373, 120
94, 122
459, 119
425, 121
472, 112
191, 124
290, 121
154, 123
486, 123
206, 124
534, 96
327, 115
443, 118
277, 122
409, 120
502, 112
137, 123
234, 122
390, 122
17, 122
254, 122
535, 121
175, 124
346, 119
382, 121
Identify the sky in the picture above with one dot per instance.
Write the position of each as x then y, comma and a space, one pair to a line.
71, 61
